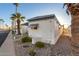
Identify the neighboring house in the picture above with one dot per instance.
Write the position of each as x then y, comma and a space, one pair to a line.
69, 30
44, 28
6, 44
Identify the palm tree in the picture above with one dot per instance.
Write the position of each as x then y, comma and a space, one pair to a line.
73, 9
16, 4
2, 21
16, 9
18, 17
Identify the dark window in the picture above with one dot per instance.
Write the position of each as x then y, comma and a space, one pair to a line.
34, 26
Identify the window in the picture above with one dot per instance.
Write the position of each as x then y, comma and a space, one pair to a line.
34, 26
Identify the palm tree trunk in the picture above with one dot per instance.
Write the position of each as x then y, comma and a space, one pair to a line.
18, 27
16, 9
75, 34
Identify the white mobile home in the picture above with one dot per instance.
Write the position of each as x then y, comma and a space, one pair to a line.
44, 28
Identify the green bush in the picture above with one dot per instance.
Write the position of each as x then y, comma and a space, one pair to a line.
26, 39
40, 44
32, 52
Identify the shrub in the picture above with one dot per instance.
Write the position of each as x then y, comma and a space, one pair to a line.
40, 44
32, 52
26, 39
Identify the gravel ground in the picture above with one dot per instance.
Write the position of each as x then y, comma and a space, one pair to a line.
23, 49
61, 48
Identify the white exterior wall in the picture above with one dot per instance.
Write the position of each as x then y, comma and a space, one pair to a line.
46, 31
7, 48
42, 33
57, 31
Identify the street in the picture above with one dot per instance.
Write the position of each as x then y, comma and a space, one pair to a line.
3, 35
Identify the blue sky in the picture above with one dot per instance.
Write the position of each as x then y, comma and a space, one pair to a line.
30, 10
